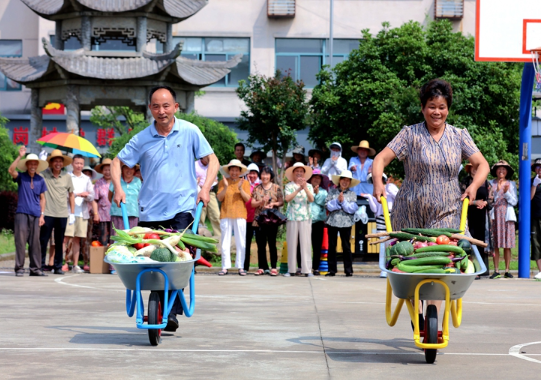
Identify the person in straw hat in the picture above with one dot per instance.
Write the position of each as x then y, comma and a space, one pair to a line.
503, 214
299, 194
536, 216
29, 215
101, 204
361, 165
166, 151
57, 216
233, 192
341, 203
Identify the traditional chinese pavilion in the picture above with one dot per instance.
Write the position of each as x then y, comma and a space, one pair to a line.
87, 77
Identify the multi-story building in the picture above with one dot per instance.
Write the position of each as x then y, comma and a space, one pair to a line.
289, 35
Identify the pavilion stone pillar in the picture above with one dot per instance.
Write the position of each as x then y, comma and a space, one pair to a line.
58, 42
36, 122
168, 39
141, 33
190, 101
72, 109
86, 33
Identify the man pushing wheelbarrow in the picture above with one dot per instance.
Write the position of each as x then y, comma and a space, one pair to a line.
166, 151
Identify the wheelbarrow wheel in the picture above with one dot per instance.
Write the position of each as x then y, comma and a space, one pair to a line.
431, 332
154, 318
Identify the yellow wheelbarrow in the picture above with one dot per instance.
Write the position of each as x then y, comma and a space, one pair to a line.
412, 287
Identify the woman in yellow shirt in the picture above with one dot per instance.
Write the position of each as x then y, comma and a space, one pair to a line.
233, 193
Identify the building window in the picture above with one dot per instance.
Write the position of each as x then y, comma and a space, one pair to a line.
11, 49
302, 59
70, 44
219, 49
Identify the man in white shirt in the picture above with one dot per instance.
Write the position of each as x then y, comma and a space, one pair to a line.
336, 164
212, 210
84, 193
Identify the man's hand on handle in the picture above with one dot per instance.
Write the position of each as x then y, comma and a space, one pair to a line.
120, 196
203, 196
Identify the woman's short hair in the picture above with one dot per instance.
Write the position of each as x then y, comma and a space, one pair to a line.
268, 170
435, 88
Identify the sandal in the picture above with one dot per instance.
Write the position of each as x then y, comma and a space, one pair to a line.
223, 272
242, 272
259, 272
274, 272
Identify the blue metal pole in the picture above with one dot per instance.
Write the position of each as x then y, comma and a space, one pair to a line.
525, 142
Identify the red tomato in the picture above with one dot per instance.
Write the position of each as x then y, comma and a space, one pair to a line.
138, 246
151, 236
442, 239
96, 243
146, 244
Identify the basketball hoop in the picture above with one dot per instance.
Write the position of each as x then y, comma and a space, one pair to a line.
535, 59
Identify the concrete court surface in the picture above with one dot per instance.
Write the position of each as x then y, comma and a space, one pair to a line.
76, 327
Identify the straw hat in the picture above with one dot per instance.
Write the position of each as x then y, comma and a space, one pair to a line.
537, 162
89, 169
366, 145
307, 171
345, 174
502, 163
58, 153
237, 163
324, 179
106, 161
42, 165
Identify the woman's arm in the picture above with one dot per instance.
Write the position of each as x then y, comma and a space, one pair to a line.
479, 163
289, 197
382, 160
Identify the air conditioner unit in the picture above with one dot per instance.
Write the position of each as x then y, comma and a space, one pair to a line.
450, 9
280, 8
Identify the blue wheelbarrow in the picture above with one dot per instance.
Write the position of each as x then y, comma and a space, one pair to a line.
157, 277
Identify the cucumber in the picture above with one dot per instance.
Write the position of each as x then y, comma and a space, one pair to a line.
407, 236
451, 230
394, 262
432, 270
429, 254
435, 260
427, 232
440, 248
464, 263
413, 268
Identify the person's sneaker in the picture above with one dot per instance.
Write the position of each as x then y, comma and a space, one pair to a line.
309, 275
113, 271
287, 275
172, 323
508, 275
495, 275
316, 273
537, 276
65, 267
19, 274
47, 268
86, 268
58, 271
77, 269
383, 274
329, 274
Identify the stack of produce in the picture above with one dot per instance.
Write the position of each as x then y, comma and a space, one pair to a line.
140, 245
435, 250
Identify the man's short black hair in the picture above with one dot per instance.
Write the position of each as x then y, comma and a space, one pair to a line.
78, 156
154, 89
241, 145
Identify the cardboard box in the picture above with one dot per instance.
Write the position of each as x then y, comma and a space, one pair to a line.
97, 266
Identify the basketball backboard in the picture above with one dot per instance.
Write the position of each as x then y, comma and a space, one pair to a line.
507, 30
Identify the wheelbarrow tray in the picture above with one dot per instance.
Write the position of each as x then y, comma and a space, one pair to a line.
404, 284
178, 273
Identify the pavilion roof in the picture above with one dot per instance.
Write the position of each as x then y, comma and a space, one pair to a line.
177, 9
79, 63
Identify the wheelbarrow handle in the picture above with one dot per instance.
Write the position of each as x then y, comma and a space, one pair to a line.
124, 216
386, 215
197, 217
464, 215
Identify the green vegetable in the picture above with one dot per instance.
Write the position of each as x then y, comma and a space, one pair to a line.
436, 260
452, 271
431, 270
163, 255
403, 248
415, 268
442, 247
394, 262
427, 232
429, 254
407, 236
451, 230
465, 245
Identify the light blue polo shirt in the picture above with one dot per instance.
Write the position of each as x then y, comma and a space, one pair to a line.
167, 168
364, 187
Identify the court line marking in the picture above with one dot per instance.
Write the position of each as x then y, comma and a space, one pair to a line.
515, 351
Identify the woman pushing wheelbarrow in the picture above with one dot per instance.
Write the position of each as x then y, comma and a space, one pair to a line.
432, 152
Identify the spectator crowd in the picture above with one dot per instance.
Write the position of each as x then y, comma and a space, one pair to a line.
64, 213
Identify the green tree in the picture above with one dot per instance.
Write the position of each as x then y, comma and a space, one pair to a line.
220, 137
277, 109
375, 92
8, 153
110, 117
